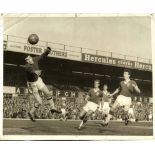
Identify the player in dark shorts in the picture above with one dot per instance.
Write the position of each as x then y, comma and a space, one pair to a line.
125, 90
92, 103
35, 83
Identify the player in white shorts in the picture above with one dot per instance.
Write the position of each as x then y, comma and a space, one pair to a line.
92, 102
126, 89
35, 82
104, 105
63, 109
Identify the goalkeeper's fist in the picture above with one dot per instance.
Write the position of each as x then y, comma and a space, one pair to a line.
48, 49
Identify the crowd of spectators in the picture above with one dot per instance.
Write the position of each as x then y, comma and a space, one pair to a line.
18, 106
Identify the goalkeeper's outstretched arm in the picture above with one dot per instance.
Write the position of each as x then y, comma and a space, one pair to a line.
45, 54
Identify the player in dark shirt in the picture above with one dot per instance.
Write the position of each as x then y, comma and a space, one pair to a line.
126, 89
104, 105
35, 82
93, 99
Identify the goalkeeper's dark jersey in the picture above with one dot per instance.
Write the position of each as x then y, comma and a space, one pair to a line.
31, 68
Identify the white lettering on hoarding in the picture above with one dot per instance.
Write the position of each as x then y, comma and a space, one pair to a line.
125, 63
142, 66
66, 94
98, 59
72, 94
115, 61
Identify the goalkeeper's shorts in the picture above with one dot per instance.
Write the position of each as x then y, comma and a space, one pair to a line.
33, 87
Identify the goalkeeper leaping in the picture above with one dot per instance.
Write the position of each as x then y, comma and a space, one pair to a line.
35, 83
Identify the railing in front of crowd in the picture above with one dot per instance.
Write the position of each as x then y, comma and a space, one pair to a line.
59, 46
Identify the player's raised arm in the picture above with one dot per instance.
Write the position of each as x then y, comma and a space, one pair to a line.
45, 54
115, 92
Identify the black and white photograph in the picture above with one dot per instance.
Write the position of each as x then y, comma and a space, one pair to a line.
77, 76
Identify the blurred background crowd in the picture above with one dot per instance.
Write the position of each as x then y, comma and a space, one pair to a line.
18, 106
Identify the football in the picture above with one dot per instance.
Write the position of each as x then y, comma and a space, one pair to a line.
33, 39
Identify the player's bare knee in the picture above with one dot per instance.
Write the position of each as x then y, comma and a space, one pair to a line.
126, 109
46, 91
89, 112
49, 97
82, 115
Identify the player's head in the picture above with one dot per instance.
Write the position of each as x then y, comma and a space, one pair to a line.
96, 83
105, 87
126, 74
29, 59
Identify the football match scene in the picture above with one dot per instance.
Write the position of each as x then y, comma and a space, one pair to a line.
77, 75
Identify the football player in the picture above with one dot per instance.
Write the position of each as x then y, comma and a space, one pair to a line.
125, 90
92, 103
35, 83
104, 105
63, 109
